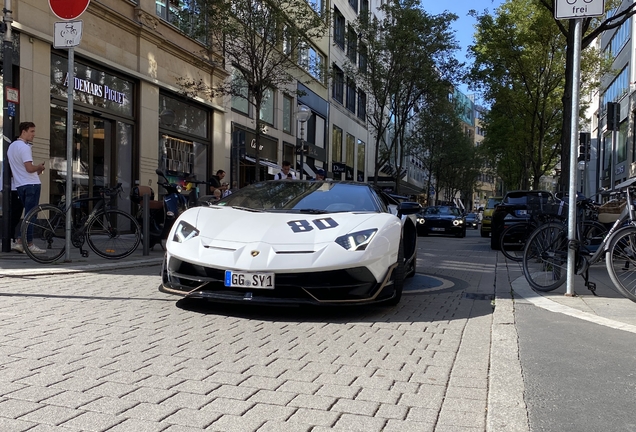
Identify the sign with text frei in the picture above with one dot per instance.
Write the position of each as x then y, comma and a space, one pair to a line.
568, 9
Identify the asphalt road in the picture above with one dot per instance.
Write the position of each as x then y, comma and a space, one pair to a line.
579, 376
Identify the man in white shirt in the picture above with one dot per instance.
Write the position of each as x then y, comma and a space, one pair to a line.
285, 172
26, 178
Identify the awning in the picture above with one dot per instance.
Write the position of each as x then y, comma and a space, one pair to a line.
272, 168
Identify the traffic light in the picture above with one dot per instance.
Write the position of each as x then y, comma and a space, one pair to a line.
585, 144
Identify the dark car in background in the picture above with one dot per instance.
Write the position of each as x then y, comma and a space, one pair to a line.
516, 207
446, 220
472, 221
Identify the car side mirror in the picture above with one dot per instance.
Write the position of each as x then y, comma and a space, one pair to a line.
407, 208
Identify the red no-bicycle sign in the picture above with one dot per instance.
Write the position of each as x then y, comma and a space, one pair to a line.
68, 9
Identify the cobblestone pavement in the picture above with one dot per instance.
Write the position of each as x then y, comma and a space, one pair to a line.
107, 351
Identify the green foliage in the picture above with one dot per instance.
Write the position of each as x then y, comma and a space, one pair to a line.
519, 66
409, 58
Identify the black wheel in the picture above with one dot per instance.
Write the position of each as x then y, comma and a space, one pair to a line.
46, 224
621, 262
513, 240
398, 278
413, 266
545, 257
113, 234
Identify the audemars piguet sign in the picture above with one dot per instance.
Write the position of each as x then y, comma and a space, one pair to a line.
568, 9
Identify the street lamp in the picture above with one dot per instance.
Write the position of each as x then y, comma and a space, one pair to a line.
303, 113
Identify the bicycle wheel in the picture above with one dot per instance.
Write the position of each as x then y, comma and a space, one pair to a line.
545, 257
513, 240
621, 261
45, 227
113, 234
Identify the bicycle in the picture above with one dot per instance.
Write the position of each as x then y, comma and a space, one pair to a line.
545, 255
110, 233
512, 239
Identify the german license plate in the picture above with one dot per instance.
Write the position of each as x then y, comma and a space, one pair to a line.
437, 229
249, 280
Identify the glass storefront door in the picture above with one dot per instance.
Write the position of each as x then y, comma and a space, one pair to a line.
97, 160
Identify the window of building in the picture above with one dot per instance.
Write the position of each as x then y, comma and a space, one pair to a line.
287, 114
337, 91
317, 5
336, 155
616, 89
311, 60
364, 7
240, 101
186, 15
354, 5
338, 28
351, 95
267, 107
352, 45
362, 58
362, 105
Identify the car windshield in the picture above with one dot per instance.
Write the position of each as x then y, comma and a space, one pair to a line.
471, 216
304, 196
442, 210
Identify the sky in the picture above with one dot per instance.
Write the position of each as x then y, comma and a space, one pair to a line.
464, 26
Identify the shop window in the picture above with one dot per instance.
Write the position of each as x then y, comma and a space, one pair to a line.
336, 155
178, 154
361, 160
351, 146
183, 117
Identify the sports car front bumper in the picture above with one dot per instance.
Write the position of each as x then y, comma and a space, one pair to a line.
346, 286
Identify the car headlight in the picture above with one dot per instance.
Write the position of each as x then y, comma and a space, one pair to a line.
421, 221
356, 241
458, 222
184, 232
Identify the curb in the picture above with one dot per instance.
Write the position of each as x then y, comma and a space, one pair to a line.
80, 268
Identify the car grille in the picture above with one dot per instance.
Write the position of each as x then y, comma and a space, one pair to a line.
326, 286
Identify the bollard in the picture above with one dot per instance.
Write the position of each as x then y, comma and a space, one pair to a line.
146, 221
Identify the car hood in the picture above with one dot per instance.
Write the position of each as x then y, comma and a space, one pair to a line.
220, 225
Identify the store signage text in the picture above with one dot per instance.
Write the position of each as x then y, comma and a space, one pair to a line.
99, 90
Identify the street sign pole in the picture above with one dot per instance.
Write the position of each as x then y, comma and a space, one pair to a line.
7, 128
577, 10
69, 151
68, 35
574, 133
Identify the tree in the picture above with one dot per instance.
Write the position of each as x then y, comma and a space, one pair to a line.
591, 29
408, 56
266, 42
519, 67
